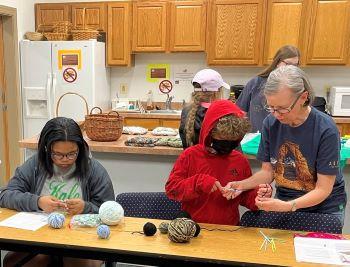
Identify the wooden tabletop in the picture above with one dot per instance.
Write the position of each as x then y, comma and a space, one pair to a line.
224, 247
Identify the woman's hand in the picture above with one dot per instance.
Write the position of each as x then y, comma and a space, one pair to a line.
75, 206
272, 204
232, 190
265, 190
50, 204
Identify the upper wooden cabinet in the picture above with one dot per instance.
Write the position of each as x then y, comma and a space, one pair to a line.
285, 25
329, 32
46, 15
149, 27
118, 33
93, 15
235, 32
187, 25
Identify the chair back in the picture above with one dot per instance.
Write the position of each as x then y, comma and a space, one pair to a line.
153, 205
297, 221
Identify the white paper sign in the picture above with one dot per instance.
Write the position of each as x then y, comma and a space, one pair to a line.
26, 220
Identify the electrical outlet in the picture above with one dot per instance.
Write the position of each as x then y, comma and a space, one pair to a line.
123, 89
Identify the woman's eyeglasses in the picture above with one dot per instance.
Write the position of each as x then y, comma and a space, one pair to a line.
69, 156
282, 111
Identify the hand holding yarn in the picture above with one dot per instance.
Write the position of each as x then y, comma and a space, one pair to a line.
75, 206
103, 231
50, 204
232, 190
111, 212
56, 220
265, 190
216, 186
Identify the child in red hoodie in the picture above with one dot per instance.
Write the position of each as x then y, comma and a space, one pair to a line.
202, 171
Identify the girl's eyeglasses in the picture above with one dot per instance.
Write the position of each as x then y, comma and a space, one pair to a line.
69, 156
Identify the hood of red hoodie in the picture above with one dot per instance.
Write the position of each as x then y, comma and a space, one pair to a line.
216, 110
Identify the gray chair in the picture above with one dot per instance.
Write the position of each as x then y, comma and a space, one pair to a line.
152, 205
297, 221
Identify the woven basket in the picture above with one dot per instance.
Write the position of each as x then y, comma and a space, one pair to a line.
80, 123
62, 27
53, 36
84, 34
103, 127
35, 36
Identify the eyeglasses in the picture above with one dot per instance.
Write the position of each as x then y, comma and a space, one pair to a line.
282, 111
290, 63
69, 156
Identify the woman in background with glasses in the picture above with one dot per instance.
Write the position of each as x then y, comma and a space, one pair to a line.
252, 99
60, 177
299, 149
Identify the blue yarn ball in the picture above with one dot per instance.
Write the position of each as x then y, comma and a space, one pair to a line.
56, 220
103, 231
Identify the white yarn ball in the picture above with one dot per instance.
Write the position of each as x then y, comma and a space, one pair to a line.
111, 212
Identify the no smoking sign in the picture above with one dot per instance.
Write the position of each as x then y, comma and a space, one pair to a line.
69, 75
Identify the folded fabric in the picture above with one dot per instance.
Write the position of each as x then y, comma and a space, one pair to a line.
141, 141
165, 131
134, 130
169, 141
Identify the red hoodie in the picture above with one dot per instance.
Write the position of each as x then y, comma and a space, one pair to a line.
196, 170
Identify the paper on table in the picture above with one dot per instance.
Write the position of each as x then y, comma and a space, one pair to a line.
319, 250
26, 220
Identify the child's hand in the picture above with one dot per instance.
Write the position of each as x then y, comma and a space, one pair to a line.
50, 204
75, 206
231, 190
216, 186
265, 190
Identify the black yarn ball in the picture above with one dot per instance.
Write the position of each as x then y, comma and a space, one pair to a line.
183, 214
149, 229
198, 230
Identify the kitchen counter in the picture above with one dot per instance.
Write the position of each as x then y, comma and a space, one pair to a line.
341, 119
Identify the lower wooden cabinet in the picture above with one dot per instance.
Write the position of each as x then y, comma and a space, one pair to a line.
150, 124
344, 128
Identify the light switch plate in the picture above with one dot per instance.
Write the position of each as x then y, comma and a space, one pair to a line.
123, 89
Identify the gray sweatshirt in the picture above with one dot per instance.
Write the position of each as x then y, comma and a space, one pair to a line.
23, 190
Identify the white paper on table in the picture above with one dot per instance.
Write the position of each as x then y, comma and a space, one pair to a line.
319, 250
26, 220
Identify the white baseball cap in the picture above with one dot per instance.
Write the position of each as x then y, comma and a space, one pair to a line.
209, 80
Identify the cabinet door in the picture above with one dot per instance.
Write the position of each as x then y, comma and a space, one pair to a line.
46, 15
170, 123
187, 25
234, 32
118, 34
93, 15
149, 26
285, 26
328, 41
149, 124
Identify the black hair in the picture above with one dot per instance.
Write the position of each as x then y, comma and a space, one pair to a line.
62, 129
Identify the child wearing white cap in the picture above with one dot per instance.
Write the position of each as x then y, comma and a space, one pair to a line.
208, 86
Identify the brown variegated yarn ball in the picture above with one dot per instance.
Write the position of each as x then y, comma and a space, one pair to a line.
181, 230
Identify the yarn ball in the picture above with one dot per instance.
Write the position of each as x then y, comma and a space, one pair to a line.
149, 229
163, 227
183, 214
111, 212
103, 231
198, 230
181, 230
56, 220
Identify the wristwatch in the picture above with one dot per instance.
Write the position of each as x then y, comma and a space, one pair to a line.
294, 205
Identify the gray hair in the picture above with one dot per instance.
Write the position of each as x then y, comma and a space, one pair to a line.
293, 78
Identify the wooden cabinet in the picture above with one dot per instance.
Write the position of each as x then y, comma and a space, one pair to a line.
329, 32
151, 123
46, 15
187, 25
93, 15
118, 33
285, 25
149, 27
235, 32
171, 123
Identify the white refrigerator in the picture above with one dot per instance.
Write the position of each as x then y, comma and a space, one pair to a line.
53, 68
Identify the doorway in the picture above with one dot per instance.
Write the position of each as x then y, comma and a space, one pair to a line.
10, 126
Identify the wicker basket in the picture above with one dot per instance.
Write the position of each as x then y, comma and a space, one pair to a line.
62, 27
85, 34
80, 123
53, 36
35, 36
103, 127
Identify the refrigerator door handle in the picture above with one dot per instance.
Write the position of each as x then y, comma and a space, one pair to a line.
48, 95
54, 83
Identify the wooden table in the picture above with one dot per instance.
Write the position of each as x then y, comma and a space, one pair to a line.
210, 248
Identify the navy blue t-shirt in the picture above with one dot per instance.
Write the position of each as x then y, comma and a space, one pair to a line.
297, 154
252, 101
